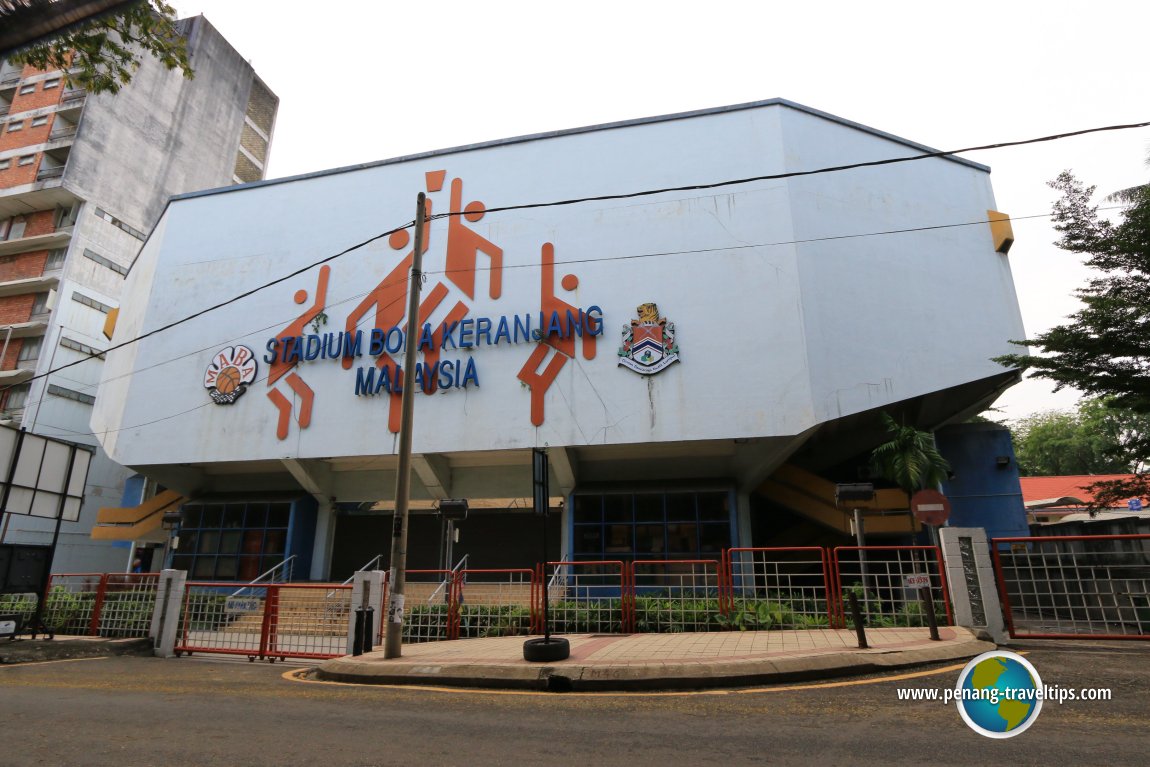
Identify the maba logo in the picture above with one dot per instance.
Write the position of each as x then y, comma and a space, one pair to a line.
229, 374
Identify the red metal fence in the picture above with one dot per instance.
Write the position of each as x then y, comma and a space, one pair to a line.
748, 588
878, 577
676, 595
1075, 587
588, 597
271, 621
116, 605
778, 588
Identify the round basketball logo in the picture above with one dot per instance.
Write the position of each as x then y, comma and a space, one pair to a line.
229, 374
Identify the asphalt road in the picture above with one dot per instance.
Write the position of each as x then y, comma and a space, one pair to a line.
131, 711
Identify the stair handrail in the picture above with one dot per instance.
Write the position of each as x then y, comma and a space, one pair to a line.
268, 577
369, 566
461, 564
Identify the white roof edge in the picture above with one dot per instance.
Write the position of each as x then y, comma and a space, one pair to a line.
576, 131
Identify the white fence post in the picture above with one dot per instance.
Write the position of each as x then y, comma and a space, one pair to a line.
366, 591
166, 616
971, 581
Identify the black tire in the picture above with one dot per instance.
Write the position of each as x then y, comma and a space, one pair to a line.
540, 650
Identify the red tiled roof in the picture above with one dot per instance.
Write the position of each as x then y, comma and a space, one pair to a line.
1044, 488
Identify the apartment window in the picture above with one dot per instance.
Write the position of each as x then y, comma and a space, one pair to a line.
76, 346
53, 83
12, 228
40, 303
18, 125
55, 259
27, 159
65, 216
86, 301
6, 163
106, 262
30, 349
71, 394
26, 89
101, 213
17, 397
38, 121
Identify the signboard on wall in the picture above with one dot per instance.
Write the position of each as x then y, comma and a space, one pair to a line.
42, 477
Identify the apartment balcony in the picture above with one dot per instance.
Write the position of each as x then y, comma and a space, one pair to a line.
9, 79
57, 239
59, 134
30, 329
14, 377
73, 98
4, 109
45, 174
29, 285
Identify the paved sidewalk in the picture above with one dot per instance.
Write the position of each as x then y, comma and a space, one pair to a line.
658, 661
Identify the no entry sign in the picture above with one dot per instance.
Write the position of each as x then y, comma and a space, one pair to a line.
930, 507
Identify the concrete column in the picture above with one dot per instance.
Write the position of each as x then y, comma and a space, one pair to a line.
971, 582
166, 616
743, 520
564, 551
366, 591
324, 541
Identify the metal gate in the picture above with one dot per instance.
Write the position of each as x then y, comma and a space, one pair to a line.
1075, 586
266, 621
877, 575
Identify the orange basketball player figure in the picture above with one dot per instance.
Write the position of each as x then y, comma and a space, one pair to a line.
564, 347
464, 245
389, 299
281, 367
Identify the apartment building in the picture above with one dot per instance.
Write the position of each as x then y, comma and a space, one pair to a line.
83, 179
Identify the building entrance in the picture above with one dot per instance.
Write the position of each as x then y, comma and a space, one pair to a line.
490, 538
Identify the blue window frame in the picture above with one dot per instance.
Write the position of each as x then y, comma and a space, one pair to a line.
651, 525
232, 541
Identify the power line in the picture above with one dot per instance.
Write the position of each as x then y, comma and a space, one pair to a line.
655, 254
600, 198
797, 173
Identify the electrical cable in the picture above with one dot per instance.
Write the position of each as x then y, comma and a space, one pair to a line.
367, 316
600, 198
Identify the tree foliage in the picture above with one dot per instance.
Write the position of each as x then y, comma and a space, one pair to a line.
108, 50
1093, 439
909, 458
1104, 348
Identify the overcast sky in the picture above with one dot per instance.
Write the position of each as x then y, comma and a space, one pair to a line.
364, 81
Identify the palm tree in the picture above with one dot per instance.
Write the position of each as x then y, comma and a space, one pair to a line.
1132, 194
909, 458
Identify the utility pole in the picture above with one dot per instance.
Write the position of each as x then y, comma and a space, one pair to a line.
393, 638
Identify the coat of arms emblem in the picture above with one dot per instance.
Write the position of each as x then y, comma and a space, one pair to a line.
648, 342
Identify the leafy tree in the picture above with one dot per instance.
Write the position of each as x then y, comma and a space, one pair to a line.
1094, 439
1104, 349
108, 50
909, 458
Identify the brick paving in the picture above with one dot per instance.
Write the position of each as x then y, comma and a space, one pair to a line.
651, 661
